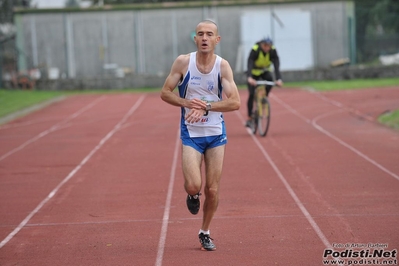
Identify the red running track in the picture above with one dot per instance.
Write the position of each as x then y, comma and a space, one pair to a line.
96, 180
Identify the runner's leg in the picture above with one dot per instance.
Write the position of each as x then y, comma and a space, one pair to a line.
191, 163
213, 167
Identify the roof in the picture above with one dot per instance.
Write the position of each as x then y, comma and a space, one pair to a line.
163, 5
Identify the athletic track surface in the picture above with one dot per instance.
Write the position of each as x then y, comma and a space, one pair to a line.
97, 180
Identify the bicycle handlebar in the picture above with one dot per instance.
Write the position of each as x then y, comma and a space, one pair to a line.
265, 82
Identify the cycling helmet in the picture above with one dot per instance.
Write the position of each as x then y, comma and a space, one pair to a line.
267, 40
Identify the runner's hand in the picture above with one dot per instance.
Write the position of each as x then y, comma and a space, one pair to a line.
279, 83
196, 104
194, 115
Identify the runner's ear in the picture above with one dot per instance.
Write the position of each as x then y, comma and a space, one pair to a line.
218, 39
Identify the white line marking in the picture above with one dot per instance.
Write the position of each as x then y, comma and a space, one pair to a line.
329, 134
305, 212
165, 220
343, 143
289, 108
288, 216
28, 123
73, 172
342, 106
53, 128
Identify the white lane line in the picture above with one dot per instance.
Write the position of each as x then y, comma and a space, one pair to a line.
243, 217
343, 143
313, 122
341, 105
53, 128
73, 172
24, 124
305, 212
165, 220
289, 108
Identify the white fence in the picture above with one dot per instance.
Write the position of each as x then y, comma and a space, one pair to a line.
86, 43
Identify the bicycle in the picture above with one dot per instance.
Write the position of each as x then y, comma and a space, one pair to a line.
261, 115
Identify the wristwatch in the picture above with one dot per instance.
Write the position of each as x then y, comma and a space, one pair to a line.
208, 107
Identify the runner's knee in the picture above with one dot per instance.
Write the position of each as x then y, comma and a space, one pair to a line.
212, 192
192, 187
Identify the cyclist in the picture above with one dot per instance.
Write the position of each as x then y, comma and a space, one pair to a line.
262, 55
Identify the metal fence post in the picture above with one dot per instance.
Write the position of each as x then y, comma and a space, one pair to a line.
1, 66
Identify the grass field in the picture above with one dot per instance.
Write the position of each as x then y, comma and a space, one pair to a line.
15, 100
390, 119
346, 84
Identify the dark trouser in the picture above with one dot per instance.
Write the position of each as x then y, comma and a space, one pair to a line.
251, 89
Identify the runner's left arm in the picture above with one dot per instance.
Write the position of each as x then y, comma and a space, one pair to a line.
232, 101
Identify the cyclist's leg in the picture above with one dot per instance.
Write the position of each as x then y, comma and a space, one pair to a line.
250, 103
268, 76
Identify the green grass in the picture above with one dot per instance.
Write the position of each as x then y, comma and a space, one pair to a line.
390, 119
345, 84
15, 100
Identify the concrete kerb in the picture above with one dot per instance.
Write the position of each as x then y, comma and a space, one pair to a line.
30, 109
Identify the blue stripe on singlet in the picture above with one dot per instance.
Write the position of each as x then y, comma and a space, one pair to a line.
182, 92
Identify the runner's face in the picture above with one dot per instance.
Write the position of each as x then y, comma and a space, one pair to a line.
206, 37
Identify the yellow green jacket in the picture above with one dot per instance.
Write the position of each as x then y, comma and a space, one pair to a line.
258, 62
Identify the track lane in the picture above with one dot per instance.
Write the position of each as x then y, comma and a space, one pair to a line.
15, 136
344, 192
92, 221
252, 224
36, 170
111, 211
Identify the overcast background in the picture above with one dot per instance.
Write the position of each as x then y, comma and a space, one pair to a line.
48, 3
55, 3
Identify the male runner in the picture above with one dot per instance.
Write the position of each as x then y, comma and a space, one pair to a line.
201, 77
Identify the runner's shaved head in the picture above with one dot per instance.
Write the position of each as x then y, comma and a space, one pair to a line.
208, 21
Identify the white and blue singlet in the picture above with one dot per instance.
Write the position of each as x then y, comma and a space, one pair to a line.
210, 131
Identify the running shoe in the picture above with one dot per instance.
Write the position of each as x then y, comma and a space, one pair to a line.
248, 123
193, 203
206, 242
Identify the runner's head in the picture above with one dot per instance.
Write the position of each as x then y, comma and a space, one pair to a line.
206, 36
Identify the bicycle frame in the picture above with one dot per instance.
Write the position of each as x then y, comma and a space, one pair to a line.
261, 117
265, 82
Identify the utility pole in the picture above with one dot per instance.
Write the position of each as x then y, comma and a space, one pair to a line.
1, 66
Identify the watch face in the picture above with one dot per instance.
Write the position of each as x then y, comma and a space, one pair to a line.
208, 106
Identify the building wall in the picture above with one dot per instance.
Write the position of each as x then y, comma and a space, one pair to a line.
106, 43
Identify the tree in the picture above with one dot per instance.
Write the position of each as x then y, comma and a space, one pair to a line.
377, 27
71, 3
386, 14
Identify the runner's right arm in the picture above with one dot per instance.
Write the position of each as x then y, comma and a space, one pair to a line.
197, 107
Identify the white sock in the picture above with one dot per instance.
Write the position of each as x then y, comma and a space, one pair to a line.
204, 232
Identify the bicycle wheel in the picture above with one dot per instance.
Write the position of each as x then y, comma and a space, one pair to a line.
254, 122
264, 117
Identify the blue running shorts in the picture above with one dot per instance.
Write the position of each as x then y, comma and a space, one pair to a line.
201, 144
